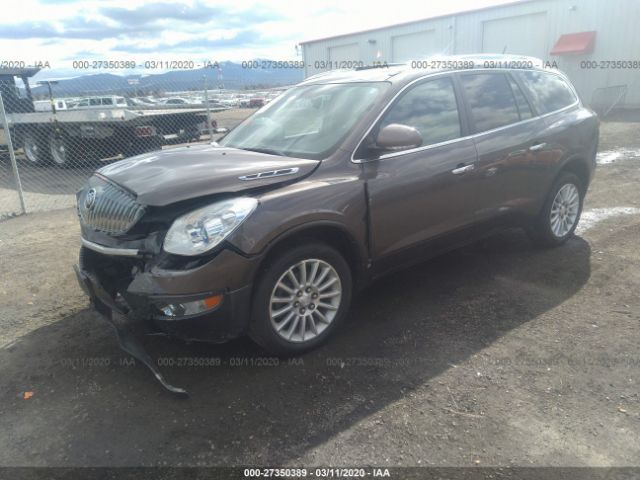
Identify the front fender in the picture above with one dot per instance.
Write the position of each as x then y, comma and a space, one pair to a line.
310, 203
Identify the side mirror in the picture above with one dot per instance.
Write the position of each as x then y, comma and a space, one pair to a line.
221, 130
398, 137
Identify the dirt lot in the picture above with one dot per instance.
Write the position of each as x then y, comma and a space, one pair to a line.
497, 354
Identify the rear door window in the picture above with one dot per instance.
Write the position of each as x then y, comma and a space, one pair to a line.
491, 103
548, 91
431, 108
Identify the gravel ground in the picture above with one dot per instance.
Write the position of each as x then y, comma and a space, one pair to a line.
496, 354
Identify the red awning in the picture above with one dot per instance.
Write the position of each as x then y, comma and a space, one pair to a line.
575, 43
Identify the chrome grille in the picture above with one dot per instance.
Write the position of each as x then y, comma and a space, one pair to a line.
108, 208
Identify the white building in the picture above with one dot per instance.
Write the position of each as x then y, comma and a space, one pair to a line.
596, 42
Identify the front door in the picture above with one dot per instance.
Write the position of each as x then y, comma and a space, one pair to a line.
421, 193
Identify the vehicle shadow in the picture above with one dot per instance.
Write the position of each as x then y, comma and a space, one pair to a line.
250, 409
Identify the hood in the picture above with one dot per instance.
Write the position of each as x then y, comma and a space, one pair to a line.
169, 176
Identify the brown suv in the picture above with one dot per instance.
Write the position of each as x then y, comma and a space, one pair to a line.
345, 176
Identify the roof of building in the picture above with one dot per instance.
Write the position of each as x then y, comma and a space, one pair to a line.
435, 17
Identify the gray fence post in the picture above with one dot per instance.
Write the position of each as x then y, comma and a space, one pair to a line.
206, 99
12, 155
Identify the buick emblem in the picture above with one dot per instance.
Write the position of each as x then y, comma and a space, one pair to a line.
90, 199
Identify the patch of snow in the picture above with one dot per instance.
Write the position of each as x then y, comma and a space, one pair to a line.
590, 218
611, 156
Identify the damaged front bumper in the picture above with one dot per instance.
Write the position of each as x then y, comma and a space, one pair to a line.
139, 294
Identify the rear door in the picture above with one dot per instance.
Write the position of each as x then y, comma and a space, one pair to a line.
420, 193
571, 131
508, 137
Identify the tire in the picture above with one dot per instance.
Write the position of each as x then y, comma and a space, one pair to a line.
561, 212
302, 327
61, 150
68, 152
36, 148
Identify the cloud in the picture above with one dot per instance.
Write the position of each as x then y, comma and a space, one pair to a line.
244, 38
147, 20
199, 12
75, 28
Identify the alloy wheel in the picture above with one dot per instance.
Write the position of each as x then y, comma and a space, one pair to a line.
59, 150
31, 150
305, 300
564, 210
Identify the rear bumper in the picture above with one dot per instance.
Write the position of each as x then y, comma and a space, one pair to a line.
141, 297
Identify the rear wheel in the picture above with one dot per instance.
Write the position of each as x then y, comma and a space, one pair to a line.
35, 148
67, 152
300, 299
61, 151
560, 215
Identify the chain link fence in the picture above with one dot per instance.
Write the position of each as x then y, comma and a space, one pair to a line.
55, 134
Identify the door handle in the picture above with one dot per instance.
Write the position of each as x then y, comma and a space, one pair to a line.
463, 169
537, 148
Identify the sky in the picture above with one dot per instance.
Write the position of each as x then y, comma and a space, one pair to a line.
62, 31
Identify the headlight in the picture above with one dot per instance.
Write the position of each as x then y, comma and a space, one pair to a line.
201, 230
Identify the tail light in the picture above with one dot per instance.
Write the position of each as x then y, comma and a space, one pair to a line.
145, 131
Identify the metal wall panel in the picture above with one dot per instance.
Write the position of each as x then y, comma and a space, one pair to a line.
616, 23
520, 35
413, 46
344, 53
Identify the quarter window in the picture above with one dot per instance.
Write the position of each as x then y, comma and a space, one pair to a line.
548, 91
429, 107
490, 100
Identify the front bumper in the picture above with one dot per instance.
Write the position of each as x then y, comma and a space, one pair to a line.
137, 289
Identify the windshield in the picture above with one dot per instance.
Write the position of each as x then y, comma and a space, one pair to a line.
307, 121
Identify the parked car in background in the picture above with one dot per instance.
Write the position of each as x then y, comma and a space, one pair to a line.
100, 102
343, 178
174, 101
256, 102
216, 104
142, 102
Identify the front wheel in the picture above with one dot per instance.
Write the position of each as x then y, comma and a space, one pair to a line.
300, 299
560, 214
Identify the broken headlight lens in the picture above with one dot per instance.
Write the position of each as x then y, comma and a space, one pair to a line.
200, 230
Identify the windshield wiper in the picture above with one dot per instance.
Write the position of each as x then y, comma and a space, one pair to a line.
268, 151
